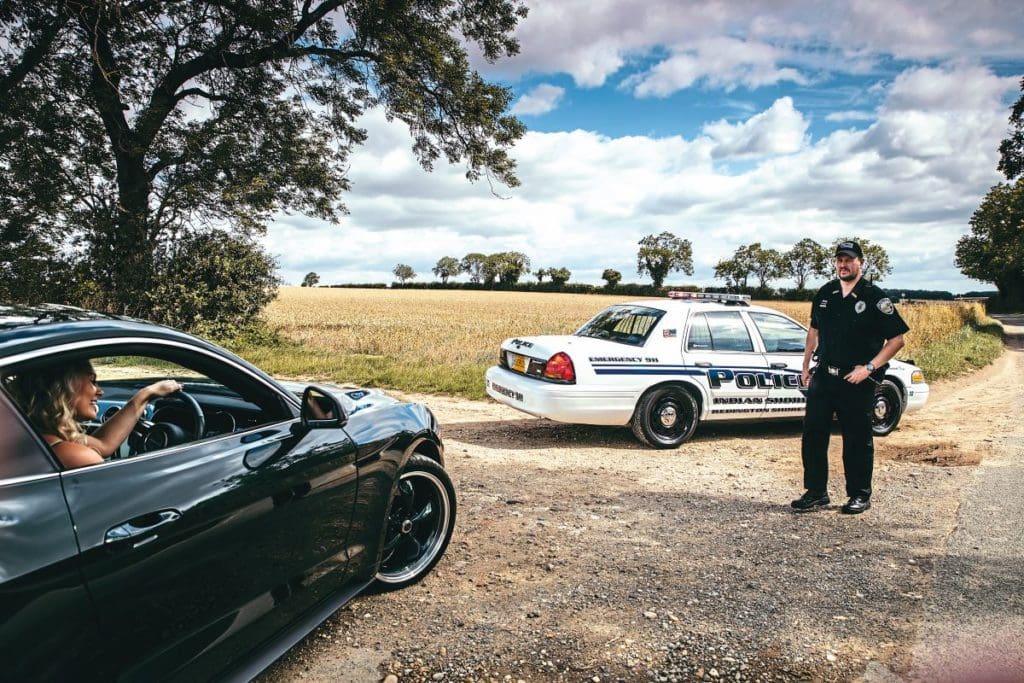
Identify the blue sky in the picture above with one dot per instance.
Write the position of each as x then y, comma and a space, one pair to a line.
724, 123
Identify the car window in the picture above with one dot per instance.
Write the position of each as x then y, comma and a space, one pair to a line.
780, 334
623, 324
718, 331
215, 399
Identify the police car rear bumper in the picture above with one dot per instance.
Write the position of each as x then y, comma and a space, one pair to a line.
560, 402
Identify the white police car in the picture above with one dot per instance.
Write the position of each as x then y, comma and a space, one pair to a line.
661, 366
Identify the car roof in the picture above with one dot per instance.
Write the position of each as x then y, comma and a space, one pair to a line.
683, 305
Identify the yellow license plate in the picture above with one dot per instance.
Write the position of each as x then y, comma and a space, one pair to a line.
519, 363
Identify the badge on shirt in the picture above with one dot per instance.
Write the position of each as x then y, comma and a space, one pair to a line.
860, 306
885, 306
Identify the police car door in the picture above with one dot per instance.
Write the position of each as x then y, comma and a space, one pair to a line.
719, 343
784, 341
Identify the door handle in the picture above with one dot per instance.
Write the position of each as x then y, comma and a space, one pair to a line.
779, 366
142, 525
703, 364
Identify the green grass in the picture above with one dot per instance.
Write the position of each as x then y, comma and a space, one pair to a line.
970, 348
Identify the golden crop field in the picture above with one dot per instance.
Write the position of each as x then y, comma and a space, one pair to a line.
443, 340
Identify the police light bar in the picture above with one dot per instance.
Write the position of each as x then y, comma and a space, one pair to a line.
708, 296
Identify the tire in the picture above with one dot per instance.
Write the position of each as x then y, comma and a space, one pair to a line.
665, 417
886, 408
419, 525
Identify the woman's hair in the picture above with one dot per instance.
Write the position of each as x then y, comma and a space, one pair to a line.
46, 397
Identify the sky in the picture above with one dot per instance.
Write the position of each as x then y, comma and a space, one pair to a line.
724, 123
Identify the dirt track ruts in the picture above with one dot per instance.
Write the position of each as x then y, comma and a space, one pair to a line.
581, 556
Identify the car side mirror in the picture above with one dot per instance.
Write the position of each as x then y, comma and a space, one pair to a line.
321, 409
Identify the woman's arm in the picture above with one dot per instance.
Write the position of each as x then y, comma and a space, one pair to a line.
114, 431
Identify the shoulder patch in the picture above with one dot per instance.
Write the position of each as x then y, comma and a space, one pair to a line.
885, 306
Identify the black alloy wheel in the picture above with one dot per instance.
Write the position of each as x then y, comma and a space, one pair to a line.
665, 417
419, 524
886, 408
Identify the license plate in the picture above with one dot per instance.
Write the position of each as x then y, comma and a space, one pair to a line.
519, 363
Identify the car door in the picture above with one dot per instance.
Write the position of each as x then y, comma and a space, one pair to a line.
783, 339
196, 553
720, 344
47, 623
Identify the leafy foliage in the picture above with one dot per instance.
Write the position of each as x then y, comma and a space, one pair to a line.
127, 126
310, 280
403, 272
662, 254
1011, 150
611, 277
807, 258
446, 267
473, 264
559, 275
994, 251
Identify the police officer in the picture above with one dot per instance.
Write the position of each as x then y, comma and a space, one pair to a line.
855, 331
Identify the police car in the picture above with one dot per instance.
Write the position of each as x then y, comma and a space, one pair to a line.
662, 366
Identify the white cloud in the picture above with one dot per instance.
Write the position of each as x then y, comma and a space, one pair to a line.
540, 100
779, 130
909, 182
843, 116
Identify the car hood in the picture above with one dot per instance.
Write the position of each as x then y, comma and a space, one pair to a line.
543, 347
353, 399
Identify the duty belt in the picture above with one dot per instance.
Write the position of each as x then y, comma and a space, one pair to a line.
837, 371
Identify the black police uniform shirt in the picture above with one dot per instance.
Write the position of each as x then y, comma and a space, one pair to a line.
853, 329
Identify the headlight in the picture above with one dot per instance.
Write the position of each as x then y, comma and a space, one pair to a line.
917, 377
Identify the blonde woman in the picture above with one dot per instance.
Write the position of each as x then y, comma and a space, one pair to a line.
58, 399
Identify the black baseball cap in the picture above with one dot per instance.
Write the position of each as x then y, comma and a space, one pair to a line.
849, 248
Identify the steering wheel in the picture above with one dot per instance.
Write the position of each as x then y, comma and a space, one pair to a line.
154, 435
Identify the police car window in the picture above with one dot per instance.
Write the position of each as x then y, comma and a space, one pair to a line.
623, 324
780, 334
728, 333
700, 335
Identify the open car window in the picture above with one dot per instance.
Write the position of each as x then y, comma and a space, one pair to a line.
216, 398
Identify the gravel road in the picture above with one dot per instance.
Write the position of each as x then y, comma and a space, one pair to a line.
581, 556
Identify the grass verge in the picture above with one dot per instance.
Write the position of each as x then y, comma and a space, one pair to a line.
971, 347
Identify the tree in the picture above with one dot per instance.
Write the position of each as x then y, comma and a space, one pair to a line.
611, 277
805, 259
403, 272
310, 280
1011, 150
737, 270
474, 265
540, 274
994, 251
215, 283
876, 259
559, 275
662, 254
767, 264
447, 266
126, 126
509, 266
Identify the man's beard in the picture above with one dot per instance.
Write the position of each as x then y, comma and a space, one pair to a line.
848, 277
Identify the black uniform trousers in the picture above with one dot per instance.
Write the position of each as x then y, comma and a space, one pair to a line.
853, 404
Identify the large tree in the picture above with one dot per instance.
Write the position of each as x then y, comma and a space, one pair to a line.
805, 259
662, 254
767, 264
446, 267
126, 125
994, 251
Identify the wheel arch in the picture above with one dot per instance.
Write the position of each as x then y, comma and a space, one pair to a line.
899, 385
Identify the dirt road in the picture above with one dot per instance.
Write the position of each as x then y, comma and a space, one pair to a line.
581, 556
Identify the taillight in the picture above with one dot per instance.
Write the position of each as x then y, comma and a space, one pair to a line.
559, 367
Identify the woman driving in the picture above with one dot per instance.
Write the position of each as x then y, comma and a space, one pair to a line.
58, 399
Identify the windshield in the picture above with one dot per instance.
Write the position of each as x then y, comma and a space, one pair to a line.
623, 324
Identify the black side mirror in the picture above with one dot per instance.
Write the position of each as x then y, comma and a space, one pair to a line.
321, 409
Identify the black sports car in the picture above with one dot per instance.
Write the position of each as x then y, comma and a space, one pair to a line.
237, 516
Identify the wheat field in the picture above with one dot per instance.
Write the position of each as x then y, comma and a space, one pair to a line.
442, 340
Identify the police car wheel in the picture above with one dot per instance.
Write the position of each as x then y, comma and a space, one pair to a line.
665, 417
887, 408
